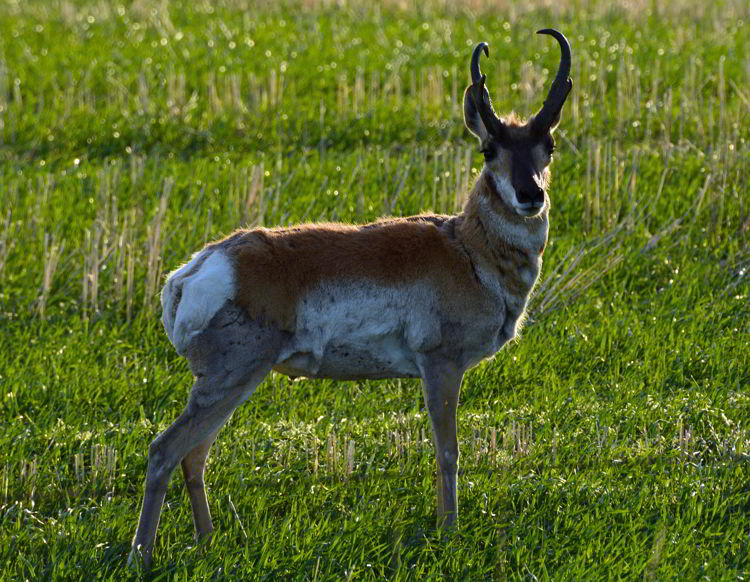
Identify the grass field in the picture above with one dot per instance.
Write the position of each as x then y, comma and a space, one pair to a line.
612, 442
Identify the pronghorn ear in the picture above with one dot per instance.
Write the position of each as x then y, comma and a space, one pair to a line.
472, 119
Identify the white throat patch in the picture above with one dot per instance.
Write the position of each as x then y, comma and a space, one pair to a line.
529, 234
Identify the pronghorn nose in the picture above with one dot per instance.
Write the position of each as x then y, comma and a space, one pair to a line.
530, 193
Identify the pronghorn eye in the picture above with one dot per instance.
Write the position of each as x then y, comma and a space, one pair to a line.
488, 151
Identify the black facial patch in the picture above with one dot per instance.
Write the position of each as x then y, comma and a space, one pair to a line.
526, 177
490, 150
549, 144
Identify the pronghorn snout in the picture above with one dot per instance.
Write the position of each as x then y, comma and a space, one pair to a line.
531, 194
530, 208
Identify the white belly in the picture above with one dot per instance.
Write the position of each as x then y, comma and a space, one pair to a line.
362, 330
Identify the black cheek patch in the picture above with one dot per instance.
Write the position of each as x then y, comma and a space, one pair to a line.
490, 152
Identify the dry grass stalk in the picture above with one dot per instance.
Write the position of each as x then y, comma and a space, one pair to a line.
103, 463
554, 447
29, 472
332, 453
359, 92
79, 468
399, 189
236, 515
121, 247
518, 438
137, 167
213, 95
651, 570
142, 93
175, 92
40, 201
350, 457
52, 253
685, 439
130, 270
7, 243
4, 84
154, 247
6, 481
254, 204
207, 226
91, 262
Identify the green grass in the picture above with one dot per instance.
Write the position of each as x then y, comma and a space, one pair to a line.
612, 442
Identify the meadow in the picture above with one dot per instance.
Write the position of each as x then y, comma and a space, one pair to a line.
610, 442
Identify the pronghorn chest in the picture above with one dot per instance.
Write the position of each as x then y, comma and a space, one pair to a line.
509, 287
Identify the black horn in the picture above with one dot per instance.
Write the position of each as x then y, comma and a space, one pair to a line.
476, 74
561, 86
481, 96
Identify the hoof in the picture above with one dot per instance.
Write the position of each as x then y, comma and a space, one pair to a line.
138, 561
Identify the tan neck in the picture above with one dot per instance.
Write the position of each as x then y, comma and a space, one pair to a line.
492, 229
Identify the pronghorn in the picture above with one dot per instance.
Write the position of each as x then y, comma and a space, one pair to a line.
426, 296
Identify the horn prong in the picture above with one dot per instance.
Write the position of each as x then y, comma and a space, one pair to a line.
481, 96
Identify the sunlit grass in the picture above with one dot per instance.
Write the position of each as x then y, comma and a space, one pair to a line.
610, 442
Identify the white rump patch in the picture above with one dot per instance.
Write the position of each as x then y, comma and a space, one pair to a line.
193, 294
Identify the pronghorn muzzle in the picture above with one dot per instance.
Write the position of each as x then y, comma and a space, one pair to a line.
527, 183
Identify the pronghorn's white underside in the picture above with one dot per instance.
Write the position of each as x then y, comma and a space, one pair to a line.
344, 330
359, 329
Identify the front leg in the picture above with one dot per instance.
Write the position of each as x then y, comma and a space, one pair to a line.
441, 383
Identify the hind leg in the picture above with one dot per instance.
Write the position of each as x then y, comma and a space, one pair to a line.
229, 359
194, 427
193, 466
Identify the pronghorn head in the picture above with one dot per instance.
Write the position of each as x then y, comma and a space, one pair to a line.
517, 155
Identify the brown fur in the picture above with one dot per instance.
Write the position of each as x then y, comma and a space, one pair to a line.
275, 267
